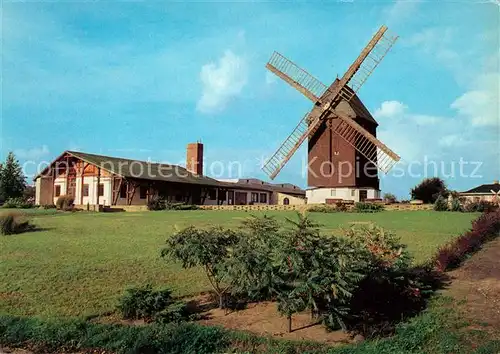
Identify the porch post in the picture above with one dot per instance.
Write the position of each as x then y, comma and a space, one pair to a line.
97, 189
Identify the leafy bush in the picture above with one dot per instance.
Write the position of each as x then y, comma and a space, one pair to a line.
58, 336
390, 198
65, 202
250, 267
148, 304
14, 223
322, 209
429, 190
157, 203
368, 207
440, 204
49, 206
384, 247
181, 206
18, 203
206, 248
480, 206
318, 273
456, 205
484, 228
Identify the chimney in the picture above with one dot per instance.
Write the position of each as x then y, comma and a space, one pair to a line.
194, 158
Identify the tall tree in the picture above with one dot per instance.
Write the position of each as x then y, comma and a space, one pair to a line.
12, 179
429, 190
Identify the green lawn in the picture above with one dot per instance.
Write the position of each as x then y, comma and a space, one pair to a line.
80, 263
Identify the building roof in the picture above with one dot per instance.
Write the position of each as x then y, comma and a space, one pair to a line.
257, 184
147, 170
355, 107
484, 189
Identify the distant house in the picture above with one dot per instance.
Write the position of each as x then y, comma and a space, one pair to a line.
487, 192
104, 180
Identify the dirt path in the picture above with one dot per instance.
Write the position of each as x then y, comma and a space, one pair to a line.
477, 282
264, 319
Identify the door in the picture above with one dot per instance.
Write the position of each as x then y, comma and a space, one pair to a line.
71, 186
363, 195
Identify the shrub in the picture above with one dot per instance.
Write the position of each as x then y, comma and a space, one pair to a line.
181, 206
49, 206
18, 203
322, 209
148, 304
250, 267
206, 248
13, 223
440, 204
480, 206
384, 247
156, 203
62, 336
429, 190
390, 198
65, 202
484, 228
368, 207
456, 205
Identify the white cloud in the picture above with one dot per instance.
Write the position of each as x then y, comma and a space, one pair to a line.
424, 119
390, 109
400, 11
270, 78
478, 106
32, 154
451, 140
222, 81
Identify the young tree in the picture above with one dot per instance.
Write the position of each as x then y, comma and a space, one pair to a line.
205, 248
12, 179
429, 190
251, 267
319, 272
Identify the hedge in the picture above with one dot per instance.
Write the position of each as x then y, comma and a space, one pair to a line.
485, 228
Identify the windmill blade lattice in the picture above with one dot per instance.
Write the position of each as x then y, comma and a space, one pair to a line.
295, 76
368, 65
275, 163
366, 144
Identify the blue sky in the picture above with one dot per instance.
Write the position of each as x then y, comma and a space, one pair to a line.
143, 79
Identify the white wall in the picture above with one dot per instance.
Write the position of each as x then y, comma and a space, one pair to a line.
319, 195
106, 199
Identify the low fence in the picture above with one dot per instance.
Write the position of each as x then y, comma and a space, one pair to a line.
299, 207
305, 207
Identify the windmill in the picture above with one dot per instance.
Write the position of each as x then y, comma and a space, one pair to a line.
339, 128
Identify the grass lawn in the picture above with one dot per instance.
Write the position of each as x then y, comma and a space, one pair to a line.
80, 263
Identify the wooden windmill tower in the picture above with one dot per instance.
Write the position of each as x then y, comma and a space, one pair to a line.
343, 153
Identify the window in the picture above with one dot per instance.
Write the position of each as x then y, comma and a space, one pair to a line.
332, 192
143, 192
212, 194
263, 197
100, 190
286, 201
353, 193
85, 190
255, 197
58, 190
123, 191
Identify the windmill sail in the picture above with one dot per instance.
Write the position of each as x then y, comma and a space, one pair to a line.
296, 77
275, 163
366, 144
329, 98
